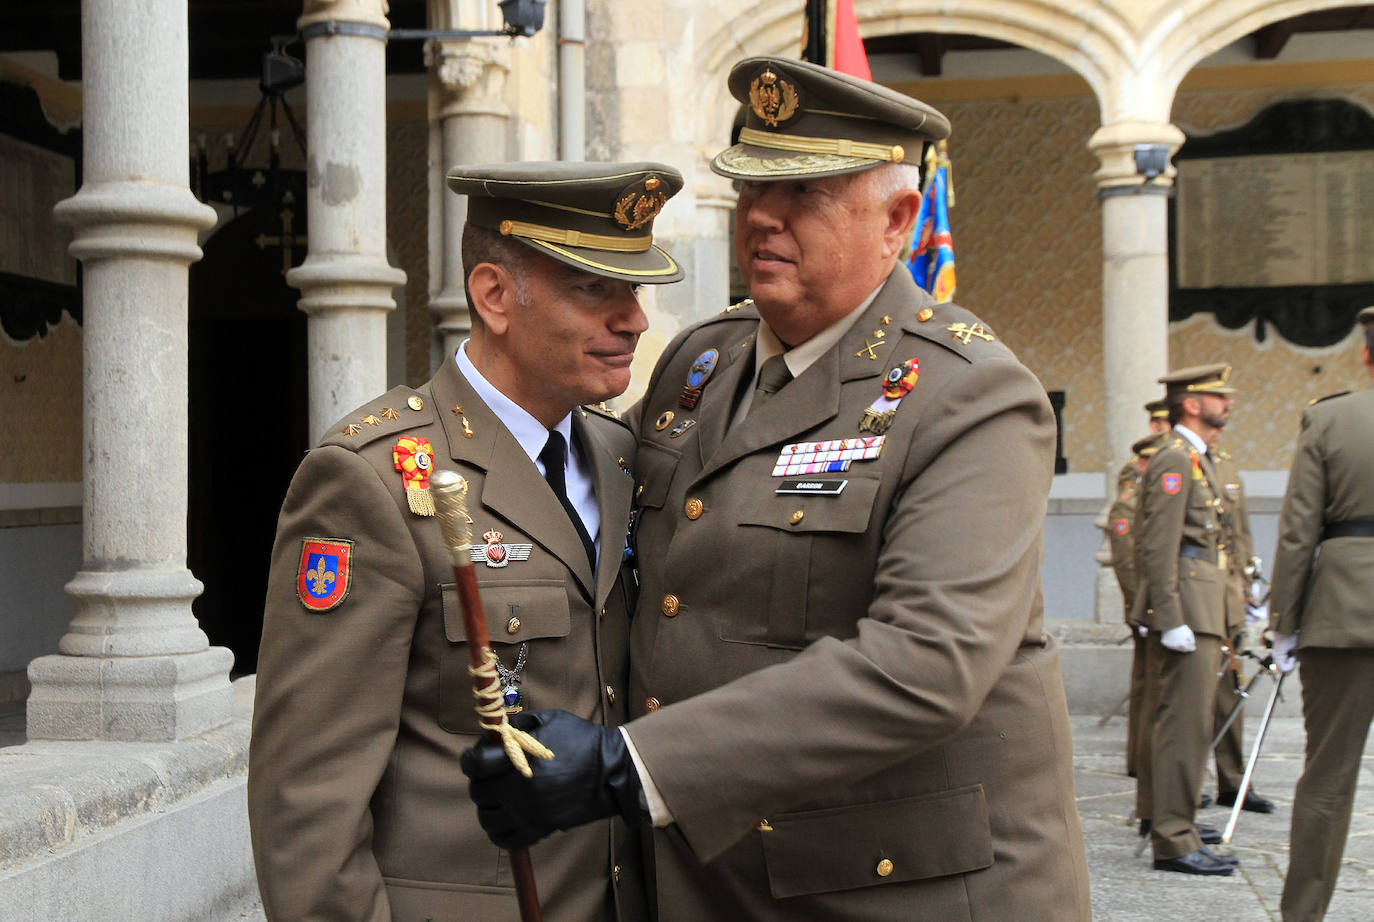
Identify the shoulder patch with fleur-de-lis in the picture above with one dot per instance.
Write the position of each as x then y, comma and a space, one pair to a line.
325, 573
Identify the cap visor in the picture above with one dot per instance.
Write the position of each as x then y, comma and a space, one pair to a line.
748, 161
651, 267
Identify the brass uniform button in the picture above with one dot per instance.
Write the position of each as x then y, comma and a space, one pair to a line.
925, 314
415, 402
884, 868
602, 613
694, 508
513, 626
639, 490
797, 517
671, 605
651, 705
615, 873
610, 694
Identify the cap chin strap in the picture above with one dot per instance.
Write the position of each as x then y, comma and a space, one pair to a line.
844, 147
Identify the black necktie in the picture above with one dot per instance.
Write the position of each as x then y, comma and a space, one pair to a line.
772, 376
555, 450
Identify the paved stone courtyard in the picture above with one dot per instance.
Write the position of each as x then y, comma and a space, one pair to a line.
1126, 888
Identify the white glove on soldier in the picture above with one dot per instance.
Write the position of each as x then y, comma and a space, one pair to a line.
1179, 639
1285, 651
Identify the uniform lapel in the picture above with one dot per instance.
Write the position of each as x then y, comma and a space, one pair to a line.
737, 363
613, 487
512, 487
814, 397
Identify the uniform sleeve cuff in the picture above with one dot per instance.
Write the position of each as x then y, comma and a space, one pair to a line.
659, 814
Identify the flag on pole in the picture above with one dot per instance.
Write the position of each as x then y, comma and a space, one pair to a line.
832, 38
932, 244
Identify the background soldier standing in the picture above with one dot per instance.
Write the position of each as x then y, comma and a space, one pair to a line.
1121, 541
1181, 557
1229, 751
364, 701
1323, 602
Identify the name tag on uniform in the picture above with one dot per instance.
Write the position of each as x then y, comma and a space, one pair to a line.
829, 457
817, 487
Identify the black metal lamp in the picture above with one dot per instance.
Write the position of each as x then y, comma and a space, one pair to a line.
523, 17
1151, 160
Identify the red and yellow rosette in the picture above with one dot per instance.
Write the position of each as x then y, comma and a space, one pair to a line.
414, 458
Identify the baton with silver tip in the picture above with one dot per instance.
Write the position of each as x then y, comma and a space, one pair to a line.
450, 502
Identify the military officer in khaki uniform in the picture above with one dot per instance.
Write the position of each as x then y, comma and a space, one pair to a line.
1121, 541
358, 809
1181, 556
1229, 751
846, 705
1323, 603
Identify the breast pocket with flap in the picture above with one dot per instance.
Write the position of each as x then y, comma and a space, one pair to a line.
533, 611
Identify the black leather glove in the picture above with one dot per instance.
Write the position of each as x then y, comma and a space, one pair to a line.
590, 777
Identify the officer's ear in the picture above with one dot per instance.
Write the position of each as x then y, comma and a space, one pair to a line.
492, 294
902, 209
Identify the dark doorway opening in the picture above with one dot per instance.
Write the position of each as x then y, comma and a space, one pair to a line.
249, 416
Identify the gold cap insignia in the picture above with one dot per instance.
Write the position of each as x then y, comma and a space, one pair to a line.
772, 98
640, 205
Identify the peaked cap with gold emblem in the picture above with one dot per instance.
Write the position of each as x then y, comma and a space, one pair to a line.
1366, 316
597, 217
807, 121
1200, 379
1158, 409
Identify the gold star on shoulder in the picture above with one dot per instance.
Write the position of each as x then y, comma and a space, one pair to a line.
388, 413
887, 318
352, 429
372, 420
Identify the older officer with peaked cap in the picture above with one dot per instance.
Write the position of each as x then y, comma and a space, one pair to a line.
1181, 559
846, 705
1323, 604
364, 701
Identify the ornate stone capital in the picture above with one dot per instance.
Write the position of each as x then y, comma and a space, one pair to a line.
1115, 146
470, 73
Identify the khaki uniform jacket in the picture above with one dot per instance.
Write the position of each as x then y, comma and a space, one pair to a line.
1240, 543
1324, 590
847, 699
358, 809
1121, 525
1179, 506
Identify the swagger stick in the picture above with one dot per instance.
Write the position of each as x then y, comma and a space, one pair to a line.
450, 500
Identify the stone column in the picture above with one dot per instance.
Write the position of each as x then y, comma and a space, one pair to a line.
133, 665
467, 93
346, 281
1135, 297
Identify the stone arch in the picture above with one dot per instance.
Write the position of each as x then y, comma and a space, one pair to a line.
1180, 41
1097, 46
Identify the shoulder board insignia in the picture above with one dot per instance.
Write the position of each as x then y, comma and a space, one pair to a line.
966, 331
747, 302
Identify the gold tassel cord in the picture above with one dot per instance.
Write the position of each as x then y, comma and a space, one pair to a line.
493, 716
